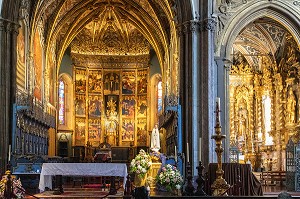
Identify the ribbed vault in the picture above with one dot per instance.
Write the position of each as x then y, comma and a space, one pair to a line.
102, 19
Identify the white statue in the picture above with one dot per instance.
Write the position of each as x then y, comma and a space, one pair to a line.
155, 141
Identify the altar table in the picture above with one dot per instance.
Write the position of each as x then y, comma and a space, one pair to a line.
80, 169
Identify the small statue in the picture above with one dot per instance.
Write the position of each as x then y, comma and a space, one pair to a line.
155, 140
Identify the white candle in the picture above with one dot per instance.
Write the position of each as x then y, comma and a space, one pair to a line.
200, 145
175, 154
9, 152
187, 152
218, 101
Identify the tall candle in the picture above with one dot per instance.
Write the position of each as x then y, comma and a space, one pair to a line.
175, 154
200, 145
218, 101
9, 152
187, 152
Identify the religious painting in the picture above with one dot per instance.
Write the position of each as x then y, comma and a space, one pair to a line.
142, 82
80, 105
142, 106
95, 81
142, 132
127, 129
128, 82
111, 83
94, 106
80, 80
111, 105
80, 131
51, 80
94, 131
128, 106
21, 57
38, 66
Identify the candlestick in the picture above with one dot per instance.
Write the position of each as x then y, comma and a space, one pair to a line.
9, 152
218, 109
187, 152
175, 154
200, 145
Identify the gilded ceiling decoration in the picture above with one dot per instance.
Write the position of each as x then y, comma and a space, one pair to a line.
114, 20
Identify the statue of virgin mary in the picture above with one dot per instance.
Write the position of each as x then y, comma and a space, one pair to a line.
155, 140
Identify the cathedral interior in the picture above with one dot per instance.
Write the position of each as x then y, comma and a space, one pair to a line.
84, 73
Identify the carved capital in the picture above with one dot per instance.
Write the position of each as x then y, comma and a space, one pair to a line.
190, 26
209, 24
194, 26
2, 25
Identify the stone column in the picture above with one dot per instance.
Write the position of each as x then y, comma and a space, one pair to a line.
207, 81
8, 35
189, 72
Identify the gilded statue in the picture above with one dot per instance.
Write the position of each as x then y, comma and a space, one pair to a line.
291, 107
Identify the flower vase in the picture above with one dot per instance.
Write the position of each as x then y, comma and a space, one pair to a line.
140, 181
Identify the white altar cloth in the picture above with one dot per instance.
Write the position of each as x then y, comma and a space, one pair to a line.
80, 169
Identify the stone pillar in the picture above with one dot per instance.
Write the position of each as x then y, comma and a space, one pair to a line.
189, 71
8, 35
207, 81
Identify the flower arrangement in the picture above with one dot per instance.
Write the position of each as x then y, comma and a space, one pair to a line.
141, 164
170, 178
18, 190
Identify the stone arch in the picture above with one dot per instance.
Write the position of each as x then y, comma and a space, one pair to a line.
281, 14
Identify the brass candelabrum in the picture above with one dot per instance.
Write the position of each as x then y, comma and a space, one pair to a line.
219, 186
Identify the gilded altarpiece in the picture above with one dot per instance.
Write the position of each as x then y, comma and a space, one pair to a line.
111, 105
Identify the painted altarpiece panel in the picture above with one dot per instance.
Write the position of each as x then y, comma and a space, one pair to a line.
80, 131
80, 81
127, 129
128, 106
95, 106
111, 83
95, 81
80, 105
142, 106
142, 81
94, 131
128, 82
142, 131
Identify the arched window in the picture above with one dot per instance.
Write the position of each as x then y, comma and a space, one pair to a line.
159, 97
61, 101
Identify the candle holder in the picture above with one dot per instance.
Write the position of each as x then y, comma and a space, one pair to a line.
189, 188
219, 186
200, 181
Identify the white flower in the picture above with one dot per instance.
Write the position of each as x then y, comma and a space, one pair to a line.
178, 186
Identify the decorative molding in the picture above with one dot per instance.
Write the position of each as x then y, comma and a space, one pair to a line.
103, 61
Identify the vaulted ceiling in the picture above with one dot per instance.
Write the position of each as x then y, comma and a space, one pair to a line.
262, 38
105, 23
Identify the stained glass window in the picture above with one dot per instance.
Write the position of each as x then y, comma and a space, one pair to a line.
159, 97
61, 101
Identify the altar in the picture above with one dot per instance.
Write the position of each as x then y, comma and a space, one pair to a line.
80, 169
